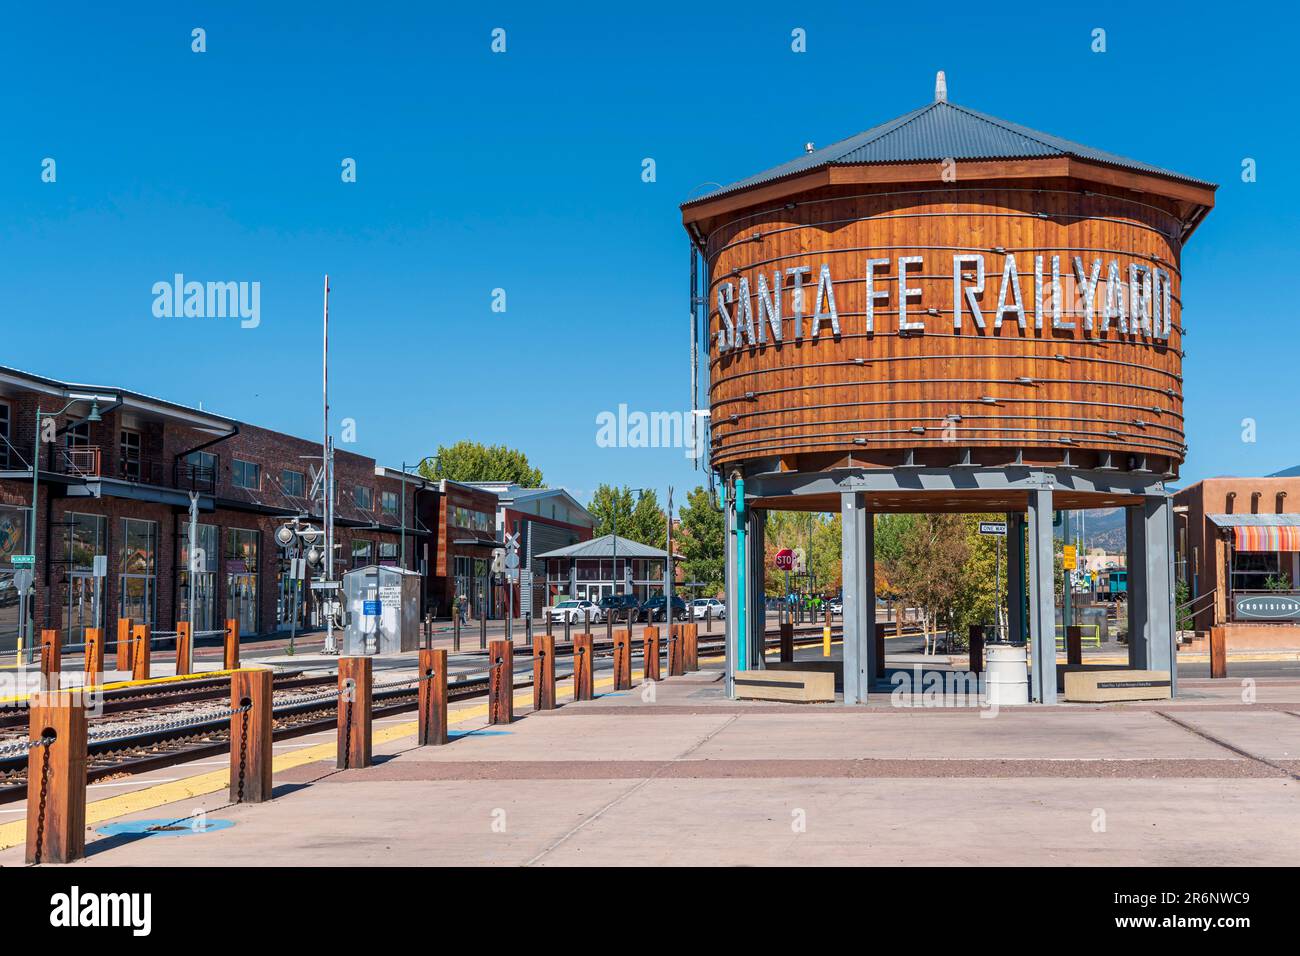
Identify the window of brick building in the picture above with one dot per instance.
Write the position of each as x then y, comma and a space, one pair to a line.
6, 455
292, 482
130, 452
389, 500
363, 497
246, 474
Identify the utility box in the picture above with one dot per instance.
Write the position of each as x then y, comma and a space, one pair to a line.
383, 610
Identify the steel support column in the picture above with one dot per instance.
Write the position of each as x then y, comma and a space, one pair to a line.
756, 603
859, 666
1042, 598
729, 623
1151, 597
1135, 561
1015, 576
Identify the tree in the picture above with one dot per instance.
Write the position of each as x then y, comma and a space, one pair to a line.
649, 525
612, 508
928, 572
819, 536
700, 540
474, 461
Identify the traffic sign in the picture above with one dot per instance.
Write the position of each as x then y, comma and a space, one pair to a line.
1070, 557
784, 560
23, 580
23, 560
993, 527
326, 585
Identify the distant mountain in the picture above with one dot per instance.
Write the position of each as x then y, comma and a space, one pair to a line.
1104, 528
1291, 472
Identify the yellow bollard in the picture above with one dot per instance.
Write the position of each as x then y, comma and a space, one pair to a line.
826, 641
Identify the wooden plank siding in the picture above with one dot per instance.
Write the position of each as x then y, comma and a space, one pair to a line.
813, 398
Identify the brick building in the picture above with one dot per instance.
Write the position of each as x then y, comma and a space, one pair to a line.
117, 470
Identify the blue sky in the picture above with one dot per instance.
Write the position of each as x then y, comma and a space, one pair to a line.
522, 171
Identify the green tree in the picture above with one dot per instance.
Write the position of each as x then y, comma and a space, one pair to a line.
612, 508
474, 461
929, 571
819, 535
649, 525
699, 540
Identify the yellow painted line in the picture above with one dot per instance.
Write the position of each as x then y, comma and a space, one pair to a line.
118, 685
148, 798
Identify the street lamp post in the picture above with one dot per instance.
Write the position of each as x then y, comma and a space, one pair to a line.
614, 522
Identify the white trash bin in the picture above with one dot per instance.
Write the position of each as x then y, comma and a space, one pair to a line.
1006, 674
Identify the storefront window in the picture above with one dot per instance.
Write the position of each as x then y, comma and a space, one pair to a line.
13, 540
205, 582
242, 578
137, 597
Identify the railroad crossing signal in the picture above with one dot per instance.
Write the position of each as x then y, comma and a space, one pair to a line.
512, 552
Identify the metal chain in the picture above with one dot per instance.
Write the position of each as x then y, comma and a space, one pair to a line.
347, 736
24, 746
308, 699
40, 816
243, 754
178, 723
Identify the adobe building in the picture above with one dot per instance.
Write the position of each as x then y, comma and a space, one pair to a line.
948, 312
1239, 553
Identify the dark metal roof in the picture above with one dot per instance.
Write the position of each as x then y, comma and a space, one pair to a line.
940, 131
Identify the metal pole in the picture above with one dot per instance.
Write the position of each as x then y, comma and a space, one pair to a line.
327, 463
403, 562
194, 535
36, 474
668, 575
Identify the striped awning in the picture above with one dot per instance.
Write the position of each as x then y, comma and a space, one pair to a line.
1262, 532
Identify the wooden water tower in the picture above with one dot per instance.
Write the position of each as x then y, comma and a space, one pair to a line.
949, 312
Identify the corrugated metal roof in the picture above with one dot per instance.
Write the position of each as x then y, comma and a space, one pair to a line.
1256, 521
603, 547
940, 131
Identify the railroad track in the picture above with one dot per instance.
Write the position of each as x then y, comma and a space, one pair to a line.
152, 741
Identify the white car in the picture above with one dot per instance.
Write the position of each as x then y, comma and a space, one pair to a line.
575, 612
715, 608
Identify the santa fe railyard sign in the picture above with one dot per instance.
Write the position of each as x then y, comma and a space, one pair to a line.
1134, 299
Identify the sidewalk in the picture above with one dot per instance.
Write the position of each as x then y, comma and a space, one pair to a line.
687, 777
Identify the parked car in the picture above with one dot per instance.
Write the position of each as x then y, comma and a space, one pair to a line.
656, 608
837, 607
574, 611
716, 609
620, 606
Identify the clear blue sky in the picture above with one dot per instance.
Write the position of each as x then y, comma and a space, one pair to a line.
523, 171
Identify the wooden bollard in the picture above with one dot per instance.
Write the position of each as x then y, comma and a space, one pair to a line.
250, 736
976, 638
433, 697
354, 712
141, 647
1073, 644
184, 649
622, 659
880, 651
501, 682
787, 642
51, 659
583, 685
1218, 652
231, 657
544, 672
94, 655
124, 643
691, 647
650, 653
676, 654
56, 778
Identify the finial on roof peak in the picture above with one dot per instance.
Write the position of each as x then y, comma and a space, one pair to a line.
940, 88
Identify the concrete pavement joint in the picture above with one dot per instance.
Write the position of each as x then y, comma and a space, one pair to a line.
631, 790
1205, 735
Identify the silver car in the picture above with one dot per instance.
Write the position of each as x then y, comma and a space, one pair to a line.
715, 608
576, 611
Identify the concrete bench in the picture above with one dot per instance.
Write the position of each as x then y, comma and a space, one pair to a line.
804, 687
822, 666
1100, 686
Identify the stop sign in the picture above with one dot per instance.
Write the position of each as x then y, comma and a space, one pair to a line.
784, 560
